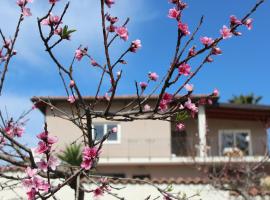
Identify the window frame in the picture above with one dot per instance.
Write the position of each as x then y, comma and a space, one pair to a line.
105, 128
234, 132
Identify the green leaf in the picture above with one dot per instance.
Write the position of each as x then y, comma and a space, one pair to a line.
181, 116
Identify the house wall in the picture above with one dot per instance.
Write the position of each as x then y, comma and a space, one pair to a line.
141, 138
256, 128
152, 138
166, 171
258, 134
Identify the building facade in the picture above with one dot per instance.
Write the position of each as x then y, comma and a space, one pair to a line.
155, 149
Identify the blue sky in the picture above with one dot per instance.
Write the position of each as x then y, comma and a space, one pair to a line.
243, 67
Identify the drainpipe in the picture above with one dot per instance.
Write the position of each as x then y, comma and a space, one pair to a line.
202, 131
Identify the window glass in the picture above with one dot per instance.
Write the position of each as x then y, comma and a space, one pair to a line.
98, 131
235, 143
227, 142
113, 136
242, 142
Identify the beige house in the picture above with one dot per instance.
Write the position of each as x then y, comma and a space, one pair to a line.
154, 149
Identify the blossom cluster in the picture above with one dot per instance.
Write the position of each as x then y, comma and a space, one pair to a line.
34, 183
104, 186
14, 129
25, 11
5, 50
176, 13
47, 163
89, 155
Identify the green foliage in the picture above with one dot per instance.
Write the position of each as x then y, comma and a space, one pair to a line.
72, 155
66, 33
181, 116
246, 99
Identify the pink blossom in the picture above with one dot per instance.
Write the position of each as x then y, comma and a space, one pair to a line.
21, 3
45, 21
52, 139
109, 2
88, 155
192, 51
93, 62
114, 130
30, 172
31, 194
71, 83
180, 127
165, 101
206, 41
163, 105
173, 13
216, 92
209, 59
42, 165
216, 51
79, 53
191, 106
14, 130
249, 23
143, 85
122, 32
26, 12
98, 192
43, 135
111, 28
135, 45
226, 32
89, 152
153, 76
189, 87
184, 69
42, 148
53, 162
167, 97
146, 107
71, 99
234, 20
86, 164
183, 28
51, 20
107, 97
53, 1
58, 31
111, 19
7, 43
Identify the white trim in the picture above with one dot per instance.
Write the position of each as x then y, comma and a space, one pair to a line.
234, 132
106, 161
105, 129
202, 131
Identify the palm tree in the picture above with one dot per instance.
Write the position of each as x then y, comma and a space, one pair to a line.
72, 155
246, 99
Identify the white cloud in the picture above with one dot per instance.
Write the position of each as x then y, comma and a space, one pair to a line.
13, 106
83, 15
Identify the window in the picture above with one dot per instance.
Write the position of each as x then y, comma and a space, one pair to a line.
99, 130
235, 142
